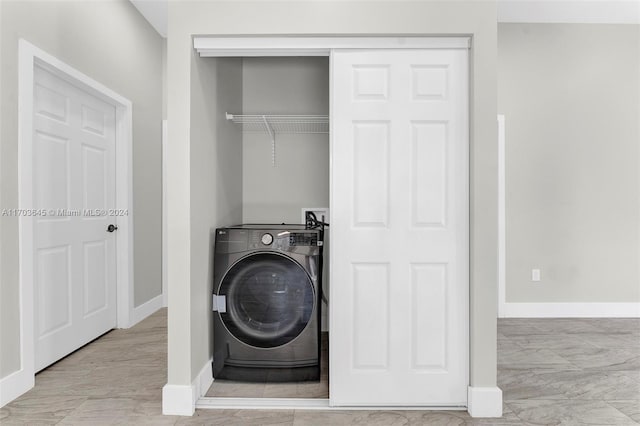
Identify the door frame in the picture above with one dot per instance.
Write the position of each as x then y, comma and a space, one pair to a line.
282, 46
30, 56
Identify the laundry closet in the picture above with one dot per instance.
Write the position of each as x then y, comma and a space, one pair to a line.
382, 142
283, 127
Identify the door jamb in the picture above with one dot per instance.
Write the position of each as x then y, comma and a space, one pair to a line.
30, 56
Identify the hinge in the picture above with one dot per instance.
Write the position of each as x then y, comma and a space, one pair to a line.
219, 304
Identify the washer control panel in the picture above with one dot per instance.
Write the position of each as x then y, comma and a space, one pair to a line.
303, 239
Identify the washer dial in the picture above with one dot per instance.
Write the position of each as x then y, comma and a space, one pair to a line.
267, 239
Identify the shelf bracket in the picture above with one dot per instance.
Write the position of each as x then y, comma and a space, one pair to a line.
273, 140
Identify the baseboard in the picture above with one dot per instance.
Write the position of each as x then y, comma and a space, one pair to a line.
143, 311
570, 310
484, 401
180, 400
14, 385
203, 381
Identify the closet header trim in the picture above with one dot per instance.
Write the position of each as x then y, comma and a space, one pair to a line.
223, 46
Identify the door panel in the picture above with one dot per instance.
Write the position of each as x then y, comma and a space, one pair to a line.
400, 206
74, 170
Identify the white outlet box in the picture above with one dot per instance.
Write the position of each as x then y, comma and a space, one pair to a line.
319, 211
535, 275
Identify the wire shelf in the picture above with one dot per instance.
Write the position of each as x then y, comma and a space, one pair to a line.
274, 124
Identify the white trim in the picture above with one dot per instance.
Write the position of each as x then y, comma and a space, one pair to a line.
484, 401
26, 63
165, 240
28, 56
571, 11
219, 46
264, 403
124, 201
203, 381
300, 404
502, 265
143, 311
571, 310
178, 400
14, 385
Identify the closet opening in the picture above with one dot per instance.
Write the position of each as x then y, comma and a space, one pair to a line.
270, 281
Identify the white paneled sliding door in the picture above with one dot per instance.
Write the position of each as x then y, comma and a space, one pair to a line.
400, 238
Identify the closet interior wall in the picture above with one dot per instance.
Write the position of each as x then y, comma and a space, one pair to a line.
300, 177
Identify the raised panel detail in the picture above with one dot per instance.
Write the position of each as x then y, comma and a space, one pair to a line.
93, 120
95, 276
51, 104
370, 316
371, 82
94, 178
51, 171
429, 316
370, 174
429, 174
53, 283
429, 82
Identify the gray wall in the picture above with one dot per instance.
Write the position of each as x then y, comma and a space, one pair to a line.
216, 180
570, 94
318, 18
301, 175
113, 44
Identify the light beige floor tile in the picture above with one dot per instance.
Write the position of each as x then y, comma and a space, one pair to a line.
238, 417
553, 342
116, 420
630, 409
633, 374
227, 388
569, 412
372, 418
33, 408
514, 358
603, 359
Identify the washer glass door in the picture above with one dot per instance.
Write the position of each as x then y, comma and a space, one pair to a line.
270, 300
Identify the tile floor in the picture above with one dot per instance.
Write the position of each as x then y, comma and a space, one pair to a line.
551, 371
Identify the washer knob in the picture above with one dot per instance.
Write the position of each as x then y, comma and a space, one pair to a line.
267, 239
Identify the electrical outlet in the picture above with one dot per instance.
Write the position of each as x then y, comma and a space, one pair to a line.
535, 275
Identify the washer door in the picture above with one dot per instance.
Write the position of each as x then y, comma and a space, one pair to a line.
269, 300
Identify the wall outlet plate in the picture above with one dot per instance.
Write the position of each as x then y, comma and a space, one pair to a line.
535, 275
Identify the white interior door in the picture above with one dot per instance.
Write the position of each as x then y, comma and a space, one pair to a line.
399, 228
74, 184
